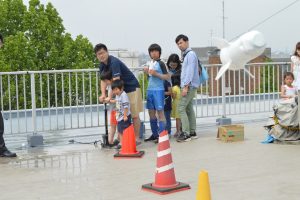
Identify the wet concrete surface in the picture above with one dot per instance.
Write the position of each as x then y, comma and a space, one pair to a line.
62, 137
237, 171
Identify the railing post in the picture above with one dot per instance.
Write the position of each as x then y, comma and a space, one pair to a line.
142, 126
223, 120
34, 139
223, 97
33, 103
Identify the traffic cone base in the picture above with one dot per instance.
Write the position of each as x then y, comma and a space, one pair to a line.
128, 149
138, 154
162, 191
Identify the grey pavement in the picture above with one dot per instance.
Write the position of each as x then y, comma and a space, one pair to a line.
237, 171
61, 137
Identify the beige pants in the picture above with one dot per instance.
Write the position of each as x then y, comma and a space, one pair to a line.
136, 102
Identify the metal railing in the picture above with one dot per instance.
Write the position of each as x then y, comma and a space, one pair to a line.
41, 101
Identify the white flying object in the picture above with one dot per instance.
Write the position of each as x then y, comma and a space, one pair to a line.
235, 55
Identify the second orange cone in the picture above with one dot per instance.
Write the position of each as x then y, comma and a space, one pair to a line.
128, 149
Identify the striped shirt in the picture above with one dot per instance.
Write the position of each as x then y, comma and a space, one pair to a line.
122, 102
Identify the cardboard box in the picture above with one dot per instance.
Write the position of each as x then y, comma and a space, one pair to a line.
231, 133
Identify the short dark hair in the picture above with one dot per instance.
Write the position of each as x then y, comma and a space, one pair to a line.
154, 47
181, 36
106, 75
288, 74
100, 46
297, 47
1, 38
117, 84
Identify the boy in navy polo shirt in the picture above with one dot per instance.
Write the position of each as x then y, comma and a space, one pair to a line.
131, 85
156, 92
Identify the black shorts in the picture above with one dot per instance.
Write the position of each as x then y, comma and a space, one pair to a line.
122, 125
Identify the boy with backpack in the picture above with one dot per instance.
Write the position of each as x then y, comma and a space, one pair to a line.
155, 92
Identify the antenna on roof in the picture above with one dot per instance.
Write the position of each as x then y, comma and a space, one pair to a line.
223, 17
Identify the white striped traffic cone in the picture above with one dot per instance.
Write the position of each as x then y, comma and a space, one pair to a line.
165, 181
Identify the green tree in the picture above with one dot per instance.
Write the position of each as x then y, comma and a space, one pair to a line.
143, 81
268, 77
35, 39
12, 13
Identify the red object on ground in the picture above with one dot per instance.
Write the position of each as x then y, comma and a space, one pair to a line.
128, 149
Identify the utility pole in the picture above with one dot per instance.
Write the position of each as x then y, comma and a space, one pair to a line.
223, 77
223, 19
211, 35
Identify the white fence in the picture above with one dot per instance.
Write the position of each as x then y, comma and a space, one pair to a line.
41, 101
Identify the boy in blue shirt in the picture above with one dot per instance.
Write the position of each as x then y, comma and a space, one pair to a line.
156, 92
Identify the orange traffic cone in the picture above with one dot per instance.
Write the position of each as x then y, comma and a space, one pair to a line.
203, 192
128, 149
165, 181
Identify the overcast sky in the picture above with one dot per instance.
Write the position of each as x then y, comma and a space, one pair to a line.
135, 24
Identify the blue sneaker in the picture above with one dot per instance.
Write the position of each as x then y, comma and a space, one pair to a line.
269, 139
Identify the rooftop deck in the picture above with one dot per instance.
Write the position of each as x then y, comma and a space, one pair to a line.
242, 170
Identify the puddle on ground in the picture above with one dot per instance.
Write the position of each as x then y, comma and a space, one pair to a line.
68, 160
58, 163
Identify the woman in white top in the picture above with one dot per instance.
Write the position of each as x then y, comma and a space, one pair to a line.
288, 91
296, 66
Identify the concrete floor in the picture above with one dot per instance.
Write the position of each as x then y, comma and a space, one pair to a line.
237, 171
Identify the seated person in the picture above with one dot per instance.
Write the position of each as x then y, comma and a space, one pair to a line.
288, 91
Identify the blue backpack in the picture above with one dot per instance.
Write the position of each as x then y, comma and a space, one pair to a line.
203, 75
